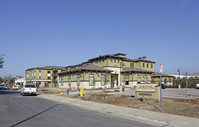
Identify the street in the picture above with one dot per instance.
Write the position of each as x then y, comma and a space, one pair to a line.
32, 111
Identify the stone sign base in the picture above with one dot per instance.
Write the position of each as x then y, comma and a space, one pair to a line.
148, 91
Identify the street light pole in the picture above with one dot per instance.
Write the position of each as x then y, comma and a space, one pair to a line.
34, 64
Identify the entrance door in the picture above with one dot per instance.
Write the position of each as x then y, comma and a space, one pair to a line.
112, 81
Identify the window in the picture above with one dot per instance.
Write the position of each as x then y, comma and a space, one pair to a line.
165, 80
78, 80
132, 65
170, 80
115, 60
48, 71
48, 77
102, 80
62, 82
151, 65
91, 80
139, 79
147, 65
39, 77
69, 80
103, 61
145, 79
126, 80
118, 61
30, 86
143, 65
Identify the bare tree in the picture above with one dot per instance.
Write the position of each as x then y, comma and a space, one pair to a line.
9, 80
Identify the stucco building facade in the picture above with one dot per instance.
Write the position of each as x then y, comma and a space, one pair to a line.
107, 71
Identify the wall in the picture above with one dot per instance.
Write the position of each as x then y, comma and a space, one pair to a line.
84, 80
145, 66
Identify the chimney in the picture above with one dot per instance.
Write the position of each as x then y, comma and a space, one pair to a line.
144, 57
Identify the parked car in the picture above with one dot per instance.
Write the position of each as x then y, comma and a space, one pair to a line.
164, 86
197, 86
15, 87
3, 87
29, 89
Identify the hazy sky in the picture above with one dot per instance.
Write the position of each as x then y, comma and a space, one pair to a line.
68, 32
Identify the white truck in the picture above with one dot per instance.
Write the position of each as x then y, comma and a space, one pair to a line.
29, 89
197, 86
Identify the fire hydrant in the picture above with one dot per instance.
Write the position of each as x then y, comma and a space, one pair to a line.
81, 92
61, 92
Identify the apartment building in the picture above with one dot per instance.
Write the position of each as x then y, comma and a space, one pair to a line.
46, 76
107, 71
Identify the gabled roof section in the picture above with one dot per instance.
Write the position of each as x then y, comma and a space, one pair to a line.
158, 75
132, 69
87, 67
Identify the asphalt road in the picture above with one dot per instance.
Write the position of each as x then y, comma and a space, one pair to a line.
32, 111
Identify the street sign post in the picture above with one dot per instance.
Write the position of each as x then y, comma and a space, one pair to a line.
161, 71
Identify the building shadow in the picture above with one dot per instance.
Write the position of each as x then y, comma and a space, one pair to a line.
34, 115
9, 91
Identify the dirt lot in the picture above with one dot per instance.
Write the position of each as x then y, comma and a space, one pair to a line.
47, 91
186, 107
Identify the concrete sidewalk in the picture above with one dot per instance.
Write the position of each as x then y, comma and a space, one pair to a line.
141, 115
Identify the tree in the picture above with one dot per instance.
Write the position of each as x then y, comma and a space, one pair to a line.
1, 80
1, 61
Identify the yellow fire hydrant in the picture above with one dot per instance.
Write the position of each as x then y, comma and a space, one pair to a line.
61, 92
81, 92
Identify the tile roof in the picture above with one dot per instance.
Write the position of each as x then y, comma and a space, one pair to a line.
48, 68
88, 67
140, 59
131, 69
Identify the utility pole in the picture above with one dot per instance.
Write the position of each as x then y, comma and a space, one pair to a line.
179, 78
